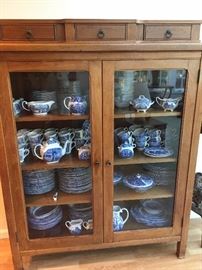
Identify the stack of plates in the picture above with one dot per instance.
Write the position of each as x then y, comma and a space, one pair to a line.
80, 211
44, 217
38, 182
151, 213
124, 88
139, 182
76, 180
45, 95
163, 175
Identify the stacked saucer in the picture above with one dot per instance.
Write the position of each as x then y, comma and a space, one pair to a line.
163, 175
80, 211
38, 182
76, 180
45, 95
151, 213
44, 217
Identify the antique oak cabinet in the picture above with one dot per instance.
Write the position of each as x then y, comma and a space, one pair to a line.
126, 138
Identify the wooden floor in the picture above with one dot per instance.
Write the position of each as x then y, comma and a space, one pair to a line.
148, 257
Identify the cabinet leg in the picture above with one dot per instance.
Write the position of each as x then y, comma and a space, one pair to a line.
181, 249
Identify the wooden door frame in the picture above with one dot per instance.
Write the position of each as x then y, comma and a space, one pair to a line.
13, 166
109, 67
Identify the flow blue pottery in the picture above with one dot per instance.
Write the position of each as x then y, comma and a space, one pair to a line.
44, 217
124, 136
17, 106
38, 107
168, 104
141, 104
74, 226
158, 152
118, 221
76, 105
126, 150
23, 153
50, 151
139, 182
84, 152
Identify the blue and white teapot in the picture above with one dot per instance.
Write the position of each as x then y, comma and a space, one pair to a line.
126, 150
141, 104
51, 151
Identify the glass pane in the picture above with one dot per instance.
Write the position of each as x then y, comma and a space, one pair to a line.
147, 122
54, 146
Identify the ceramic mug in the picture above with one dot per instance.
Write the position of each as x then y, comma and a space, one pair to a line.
74, 226
17, 106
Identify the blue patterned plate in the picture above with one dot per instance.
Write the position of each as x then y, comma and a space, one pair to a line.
158, 152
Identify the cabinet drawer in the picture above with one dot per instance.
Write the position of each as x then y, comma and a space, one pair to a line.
100, 31
33, 32
167, 32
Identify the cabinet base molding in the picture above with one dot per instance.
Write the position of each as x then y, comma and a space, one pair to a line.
35, 252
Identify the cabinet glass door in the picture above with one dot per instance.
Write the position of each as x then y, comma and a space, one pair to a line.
148, 108
56, 128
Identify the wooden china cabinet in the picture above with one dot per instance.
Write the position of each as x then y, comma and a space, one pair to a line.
111, 63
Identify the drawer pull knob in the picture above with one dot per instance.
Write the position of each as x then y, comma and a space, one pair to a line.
100, 34
29, 34
168, 34
108, 163
97, 163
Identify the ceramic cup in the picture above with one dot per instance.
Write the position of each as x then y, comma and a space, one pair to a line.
17, 106
74, 226
23, 153
66, 135
88, 225
51, 134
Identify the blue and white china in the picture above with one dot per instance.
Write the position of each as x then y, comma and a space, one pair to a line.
88, 225
22, 138
66, 135
86, 124
139, 182
76, 105
80, 142
45, 95
44, 217
118, 176
75, 180
155, 142
51, 151
23, 153
35, 136
51, 129
79, 134
17, 106
153, 133
69, 146
140, 132
80, 211
151, 213
125, 136
38, 182
74, 226
158, 152
126, 150
84, 152
141, 104
38, 107
168, 104
118, 221
141, 142
51, 134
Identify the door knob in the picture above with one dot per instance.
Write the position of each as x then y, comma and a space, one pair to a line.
108, 163
97, 163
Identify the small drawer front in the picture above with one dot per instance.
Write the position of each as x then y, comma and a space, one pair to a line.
100, 32
167, 32
28, 32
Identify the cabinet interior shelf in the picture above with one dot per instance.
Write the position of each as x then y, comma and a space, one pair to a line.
50, 117
126, 113
142, 159
122, 193
66, 162
63, 198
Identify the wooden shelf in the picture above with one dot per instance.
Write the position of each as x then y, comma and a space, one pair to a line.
50, 117
66, 162
122, 193
140, 158
63, 198
126, 113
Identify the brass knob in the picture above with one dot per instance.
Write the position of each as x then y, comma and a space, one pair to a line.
108, 163
100, 34
97, 163
28, 34
168, 34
